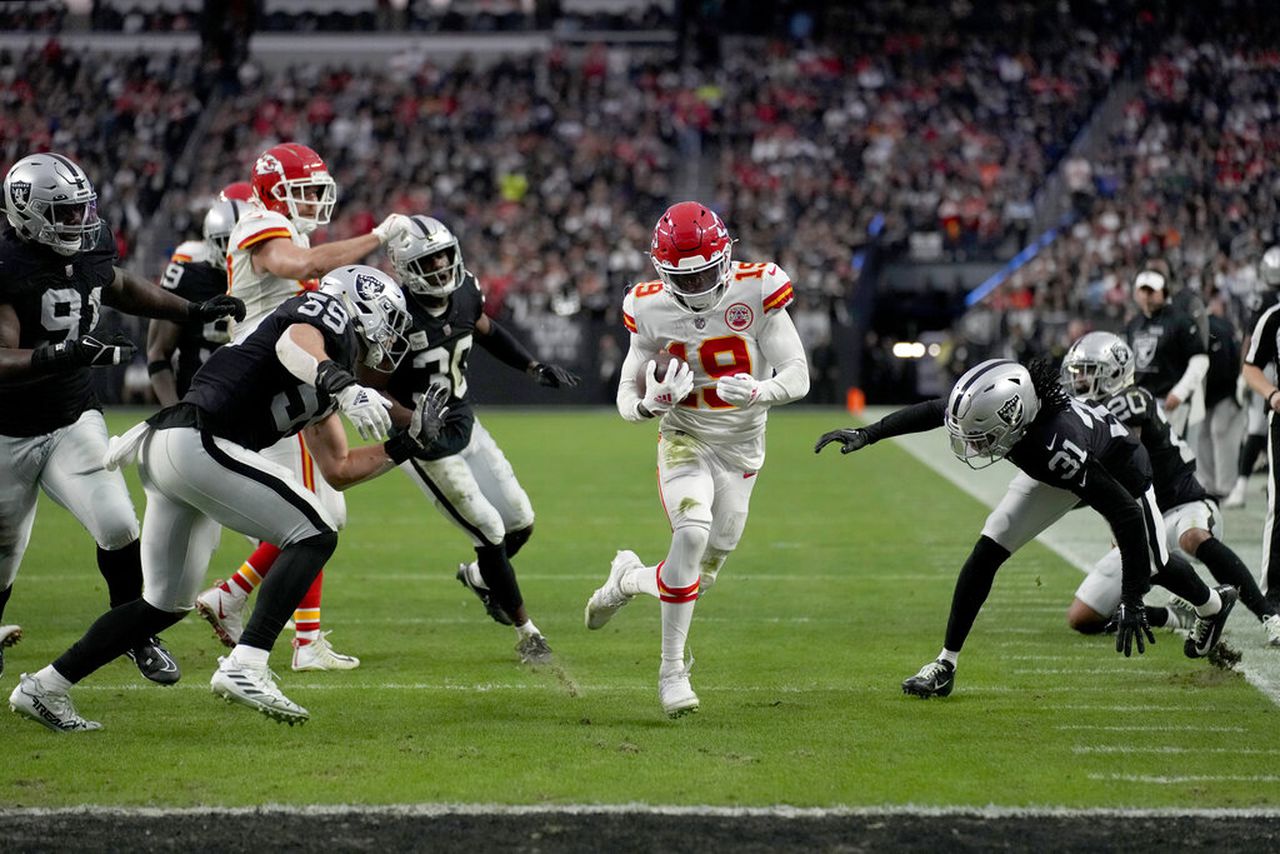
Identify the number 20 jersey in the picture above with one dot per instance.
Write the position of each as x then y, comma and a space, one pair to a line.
246, 394
56, 298
715, 343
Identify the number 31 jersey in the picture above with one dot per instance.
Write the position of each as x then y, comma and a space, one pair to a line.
717, 343
246, 394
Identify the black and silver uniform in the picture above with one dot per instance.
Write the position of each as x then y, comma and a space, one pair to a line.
439, 348
1224, 361
1263, 344
56, 297
1173, 465
196, 281
1162, 346
1060, 447
244, 394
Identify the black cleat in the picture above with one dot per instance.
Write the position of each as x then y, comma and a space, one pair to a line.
935, 679
154, 661
1207, 631
490, 607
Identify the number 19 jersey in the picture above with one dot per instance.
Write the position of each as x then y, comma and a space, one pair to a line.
717, 343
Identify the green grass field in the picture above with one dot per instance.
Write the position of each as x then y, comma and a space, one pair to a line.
838, 591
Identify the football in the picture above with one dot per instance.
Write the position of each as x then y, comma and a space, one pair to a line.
662, 363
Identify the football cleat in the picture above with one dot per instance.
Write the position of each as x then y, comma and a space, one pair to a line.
606, 601
9, 635
319, 655
482, 593
533, 649
935, 679
49, 708
1271, 625
674, 691
155, 662
1184, 612
255, 687
224, 612
1207, 631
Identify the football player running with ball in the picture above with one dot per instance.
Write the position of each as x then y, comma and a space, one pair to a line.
721, 329
464, 472
201, 467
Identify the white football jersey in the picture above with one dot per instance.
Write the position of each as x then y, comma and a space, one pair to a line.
262, 292
716, 343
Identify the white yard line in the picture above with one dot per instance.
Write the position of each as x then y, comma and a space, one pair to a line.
1190, 778
1165, 749
1082, 537
1142, 727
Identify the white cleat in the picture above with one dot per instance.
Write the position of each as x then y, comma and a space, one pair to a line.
9, 635
1271, 625
606, 601
47, 707
224, 612
533, 649
255, 687
319, 655
1236, 497
674, 690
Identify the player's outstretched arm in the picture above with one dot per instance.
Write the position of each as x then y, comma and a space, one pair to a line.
134, 295
282, 257
162, 341
917, 418
506, 348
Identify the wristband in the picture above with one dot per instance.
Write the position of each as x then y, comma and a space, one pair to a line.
331, 378
1274, 392
159, 366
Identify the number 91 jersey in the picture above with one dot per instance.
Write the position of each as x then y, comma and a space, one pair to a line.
717, 343
246, 394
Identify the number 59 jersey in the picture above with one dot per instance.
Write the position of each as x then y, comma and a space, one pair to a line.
247, 396
717, 343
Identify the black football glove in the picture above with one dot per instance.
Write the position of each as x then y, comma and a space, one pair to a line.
850, 438
216, 308
1131, 625
84, 352
553, 376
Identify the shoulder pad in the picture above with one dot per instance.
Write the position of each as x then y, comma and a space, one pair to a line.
629, 302
190, 250
257, 225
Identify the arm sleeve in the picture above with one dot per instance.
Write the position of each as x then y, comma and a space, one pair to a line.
1104, 493
918, 418
1192, 377
506, 347
781, 345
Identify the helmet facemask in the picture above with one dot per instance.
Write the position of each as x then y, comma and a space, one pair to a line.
432, 275
981, 448
697, 287
315, 194
382, 325
1098, 365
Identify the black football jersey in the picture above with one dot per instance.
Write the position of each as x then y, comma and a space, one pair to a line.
1173, 464
439, 349
56, 297
1162, 345
246, 395
196, 281
1059, 446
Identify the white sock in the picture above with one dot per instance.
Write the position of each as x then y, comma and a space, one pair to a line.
642, 579
250, 655
1212, 606
948, 656
527, 628
53, 680
676, 617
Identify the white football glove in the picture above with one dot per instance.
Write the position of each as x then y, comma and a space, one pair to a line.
659, 397
391, 228
366, 410
741, 390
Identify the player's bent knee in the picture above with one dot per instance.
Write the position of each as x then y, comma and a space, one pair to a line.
1192, 539
1084, 619
516, 539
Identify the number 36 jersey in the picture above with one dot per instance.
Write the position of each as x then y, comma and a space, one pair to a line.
55, 298
717, 343
247, 396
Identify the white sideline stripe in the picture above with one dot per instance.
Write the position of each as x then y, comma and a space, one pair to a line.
1144, 727
430, 810
1165, 749
1135, 670
1178, 780
1121, 707
1072, 538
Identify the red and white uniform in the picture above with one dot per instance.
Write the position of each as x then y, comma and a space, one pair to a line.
262, 292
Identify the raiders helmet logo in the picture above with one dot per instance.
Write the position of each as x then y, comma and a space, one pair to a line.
266, 164
1145, 349
20, 193
368, 287
1010, 412
738, 316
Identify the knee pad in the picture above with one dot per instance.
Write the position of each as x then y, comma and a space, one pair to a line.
516, 539
688, 543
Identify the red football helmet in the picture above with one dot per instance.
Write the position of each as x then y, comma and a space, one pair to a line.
691, 250
291, 179
236, 191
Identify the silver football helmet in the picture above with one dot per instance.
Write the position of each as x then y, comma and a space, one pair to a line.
1097, 366
1269, 267
49, 199
218, 223
427, 259
377, 309
989, 410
